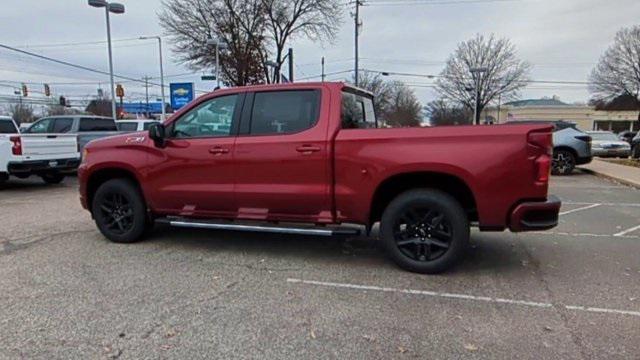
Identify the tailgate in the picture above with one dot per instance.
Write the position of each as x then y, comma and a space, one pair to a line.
50, 146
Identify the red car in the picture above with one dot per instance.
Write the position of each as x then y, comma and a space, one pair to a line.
313, 156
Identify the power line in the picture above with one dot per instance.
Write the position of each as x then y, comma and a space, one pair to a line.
66, 63
436, 2
73, 44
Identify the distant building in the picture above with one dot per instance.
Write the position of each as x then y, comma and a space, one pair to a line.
586, 117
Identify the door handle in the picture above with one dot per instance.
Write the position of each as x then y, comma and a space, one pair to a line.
307, 149
218, 150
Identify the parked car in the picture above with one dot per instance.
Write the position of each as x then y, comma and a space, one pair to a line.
86, 127
627, 136
635, 146
607, 144
571, 146
311, 154
134, 125
49, 156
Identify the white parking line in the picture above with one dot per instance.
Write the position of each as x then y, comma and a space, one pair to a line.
579, 209
567, 202
561, 233
464, 297
625, 232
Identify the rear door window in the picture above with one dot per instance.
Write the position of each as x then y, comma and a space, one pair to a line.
284, 112
96, 124
62, 125
7, 127
41, 127
127, 126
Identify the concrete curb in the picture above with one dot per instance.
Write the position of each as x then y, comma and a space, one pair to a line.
610, 177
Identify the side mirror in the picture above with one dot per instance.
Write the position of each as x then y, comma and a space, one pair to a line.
157, 134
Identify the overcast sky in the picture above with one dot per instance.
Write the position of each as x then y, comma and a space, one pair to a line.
562, 39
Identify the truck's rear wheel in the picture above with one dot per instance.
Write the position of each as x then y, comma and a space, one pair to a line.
119, 211
425, 231
52, 178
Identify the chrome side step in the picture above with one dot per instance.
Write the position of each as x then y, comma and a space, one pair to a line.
204, 224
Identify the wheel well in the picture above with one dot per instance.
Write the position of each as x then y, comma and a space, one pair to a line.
566, 148
101, 176
394, 186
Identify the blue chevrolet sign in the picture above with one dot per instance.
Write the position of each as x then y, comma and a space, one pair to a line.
181, 94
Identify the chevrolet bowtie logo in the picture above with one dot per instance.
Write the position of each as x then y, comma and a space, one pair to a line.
180, 91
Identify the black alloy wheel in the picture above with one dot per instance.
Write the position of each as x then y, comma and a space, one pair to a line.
424, 231
423, 234
119, 211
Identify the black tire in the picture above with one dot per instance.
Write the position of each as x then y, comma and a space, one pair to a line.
425, 231
119, 211
52, 178
3, 177
635, 151
563, 162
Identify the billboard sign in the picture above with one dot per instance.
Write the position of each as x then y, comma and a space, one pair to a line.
181, 94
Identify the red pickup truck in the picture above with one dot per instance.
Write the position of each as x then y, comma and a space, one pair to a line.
311, 158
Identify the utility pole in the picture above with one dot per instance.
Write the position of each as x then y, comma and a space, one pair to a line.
356, 33
146, 92
290, 58
322, 63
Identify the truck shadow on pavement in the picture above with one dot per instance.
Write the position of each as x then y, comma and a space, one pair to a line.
488, 253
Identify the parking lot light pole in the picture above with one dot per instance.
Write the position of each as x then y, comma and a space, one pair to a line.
115, 8
164, 115
219, 45
475, 72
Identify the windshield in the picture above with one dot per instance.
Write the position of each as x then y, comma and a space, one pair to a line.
604, 136
7, 127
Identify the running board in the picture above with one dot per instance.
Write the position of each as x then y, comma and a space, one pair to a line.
204, 224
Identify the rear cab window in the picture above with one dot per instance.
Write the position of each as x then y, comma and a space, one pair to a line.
357, 110
7, 127
97, 124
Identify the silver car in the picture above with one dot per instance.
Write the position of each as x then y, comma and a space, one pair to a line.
571, 146
607, 144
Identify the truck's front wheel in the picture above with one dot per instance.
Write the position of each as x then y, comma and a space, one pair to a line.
425, 231
119, 211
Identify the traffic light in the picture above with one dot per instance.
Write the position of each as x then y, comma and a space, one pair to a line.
47, 90
119, 91
25, 91
63, 101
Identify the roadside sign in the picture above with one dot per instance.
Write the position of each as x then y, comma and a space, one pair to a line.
181, 94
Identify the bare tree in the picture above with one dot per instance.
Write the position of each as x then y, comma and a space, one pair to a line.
404, 109
22, 113
100, 107
618, 71
254, 30
395, 104
240, 24
286, 19
444, 112
504, 74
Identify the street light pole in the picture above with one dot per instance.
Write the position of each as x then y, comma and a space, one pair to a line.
164, 111
113, 86
115, 8
217, 66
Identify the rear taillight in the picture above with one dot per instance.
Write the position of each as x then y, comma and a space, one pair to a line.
585, 138
543, 168
16, 145
540, 150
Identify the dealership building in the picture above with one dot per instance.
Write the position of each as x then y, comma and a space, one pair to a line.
584, 116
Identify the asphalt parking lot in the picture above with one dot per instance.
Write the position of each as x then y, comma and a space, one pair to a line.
570, 293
